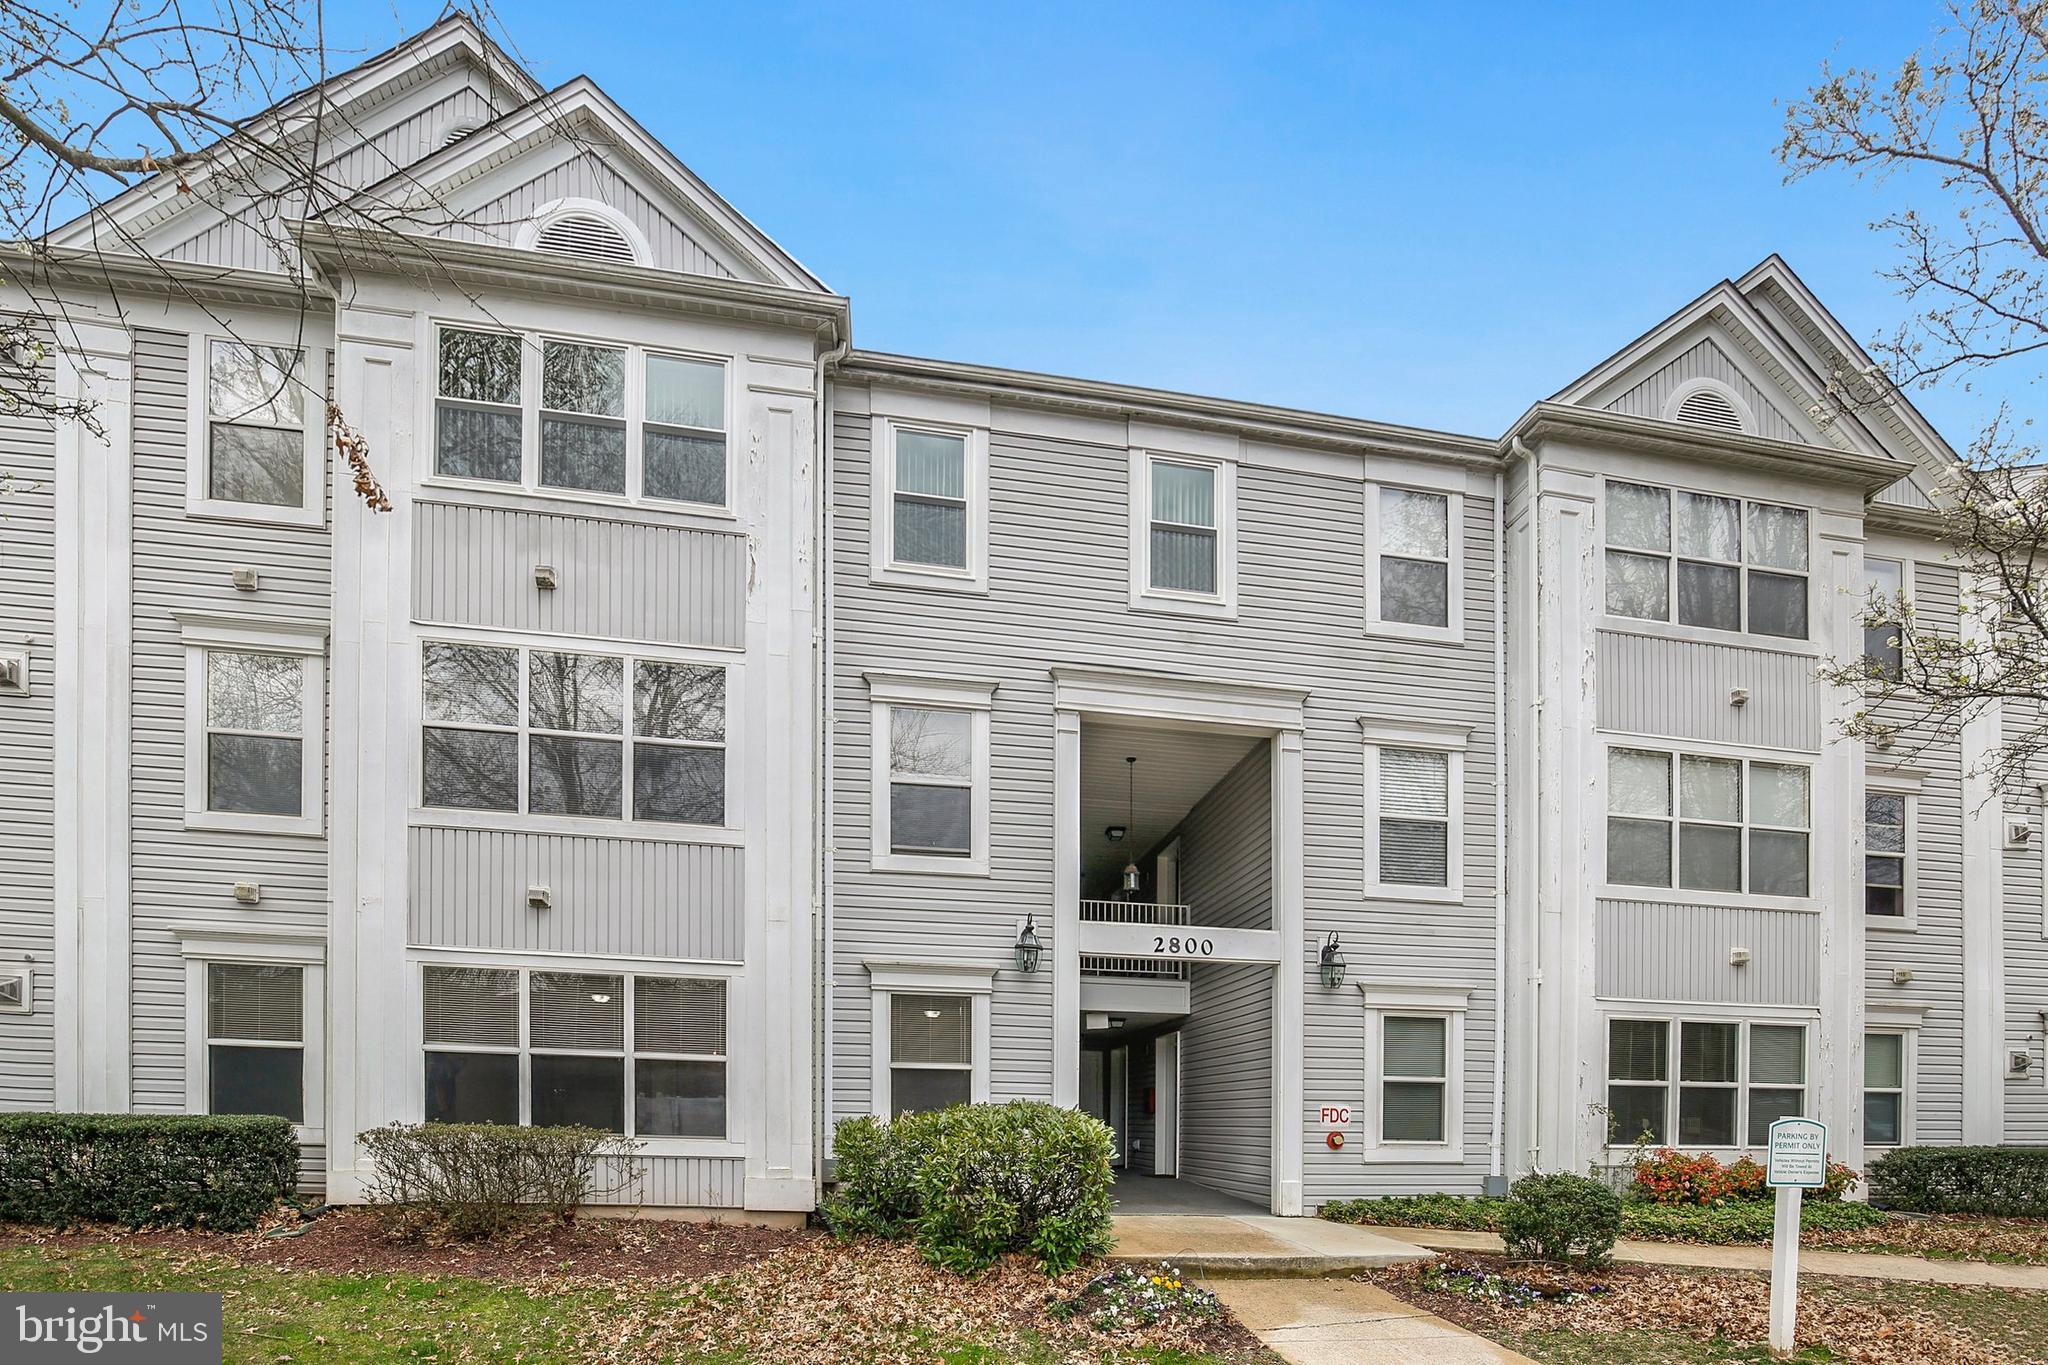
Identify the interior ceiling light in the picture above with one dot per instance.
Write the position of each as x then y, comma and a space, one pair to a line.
1130, 818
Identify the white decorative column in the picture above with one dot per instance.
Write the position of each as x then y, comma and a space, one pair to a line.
1838, 862
1296, 956
1066, 908
1983, 900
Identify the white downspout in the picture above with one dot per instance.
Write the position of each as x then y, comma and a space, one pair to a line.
1496, 1141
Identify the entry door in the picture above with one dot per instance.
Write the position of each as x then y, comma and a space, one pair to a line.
1102, 1093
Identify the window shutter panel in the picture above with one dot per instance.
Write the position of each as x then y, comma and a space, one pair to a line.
931, 1029
260, 1003
673, 1014
471, 1006
574, 1011
1415, 1047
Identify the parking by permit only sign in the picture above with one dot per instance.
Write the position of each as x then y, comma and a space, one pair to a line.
1798, 1163
1798, 1154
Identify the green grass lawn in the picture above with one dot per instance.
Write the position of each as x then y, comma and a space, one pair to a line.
272, 1316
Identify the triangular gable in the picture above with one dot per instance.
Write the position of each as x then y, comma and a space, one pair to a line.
576, 143
1708, 360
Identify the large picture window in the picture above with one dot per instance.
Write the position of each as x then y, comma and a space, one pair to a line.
553, 732
1724, 824
631, 1053
1713, 562
1732, 1079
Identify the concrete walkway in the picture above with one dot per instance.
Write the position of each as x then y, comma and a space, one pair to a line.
1341, 1322
1256, 1244
1812, 1260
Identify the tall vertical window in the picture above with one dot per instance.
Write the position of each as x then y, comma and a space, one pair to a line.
1742, 824
1884, 616
929, 503
1638, 1081
1707, 1084
255, 733
1884, 1089
1884, 853
1415, 571
479, 420
931, 782
255, 1040
1414, 817
1712, 562
1777, 1077
931, 1052
1414, 1078
256, 449
624, 1053
931, 512
683, 441
1183, 528
582, 417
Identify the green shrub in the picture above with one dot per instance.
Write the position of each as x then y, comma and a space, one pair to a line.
973, 1181
1668, 1176
1740, 1220
475, 1180
1562, 1217
1999, 1182
144, 1170
1464, 1213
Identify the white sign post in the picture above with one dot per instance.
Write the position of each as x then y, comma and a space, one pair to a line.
1798, 1162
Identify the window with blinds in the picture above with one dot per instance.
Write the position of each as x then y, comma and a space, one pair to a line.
931, 1052
1638, 1080
1182, 541
255, 1039
1414, 816
930, 498
1414, 1077
1884, 1089
643, 1055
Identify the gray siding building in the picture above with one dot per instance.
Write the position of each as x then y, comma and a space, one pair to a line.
725, 731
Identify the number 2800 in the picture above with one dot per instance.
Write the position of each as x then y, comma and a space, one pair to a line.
1183, 947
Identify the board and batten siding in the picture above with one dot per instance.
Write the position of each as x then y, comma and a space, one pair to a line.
1654, 950
2025, 955
629, 897
180, 877
1681, 689
28, 589
617, 578
1059, 596
1706, 360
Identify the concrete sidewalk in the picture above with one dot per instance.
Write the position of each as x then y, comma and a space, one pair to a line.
1812, 1260
1340, 1322
1257, 1244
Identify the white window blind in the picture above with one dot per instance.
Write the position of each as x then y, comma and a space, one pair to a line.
930, 511
1414, 1074
679, 1015
1414, 817
577, 1012
474, 1006
253, 1002
1183, 529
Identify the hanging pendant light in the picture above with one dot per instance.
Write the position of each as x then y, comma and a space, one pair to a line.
1130, 822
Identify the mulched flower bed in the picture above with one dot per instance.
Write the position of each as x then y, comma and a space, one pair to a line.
1703, 1305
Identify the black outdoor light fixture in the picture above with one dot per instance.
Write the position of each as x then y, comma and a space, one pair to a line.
1028, 946
1332, 962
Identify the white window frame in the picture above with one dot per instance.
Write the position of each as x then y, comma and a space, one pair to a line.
304, 640
886, 980
737, 1059
887, 691
202, 945
1449, 740
1449, 1003
1144, 597
1906, 1028
1453, 632
1669, 624
1674, 1018
199, 499
732, 832
1674, 894
884, 566
1906, 563
1907, 786
634, 400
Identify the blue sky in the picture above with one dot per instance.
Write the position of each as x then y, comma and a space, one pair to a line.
1424, 214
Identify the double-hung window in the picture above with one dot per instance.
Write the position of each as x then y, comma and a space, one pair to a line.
931, 1052
253, 725
553, 732
929, 526
1414, 780
548, 413
930, 774
1183, 552
1413, 563
1885, 844
1884, 583
1414, 1049
1733, 1078
632, 1053
255, 1039
258, 432
1884, 1089
1712, 562
1414, 1077
1741, 825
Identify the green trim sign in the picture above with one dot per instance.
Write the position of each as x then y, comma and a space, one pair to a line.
1798, 1155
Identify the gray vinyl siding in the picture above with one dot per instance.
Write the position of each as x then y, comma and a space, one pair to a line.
684, 1182
1933, 948
182, 877
1648, 950
28, 498
1652, 685
1141, 1124
1905, 493
632, 897
1706, 360
617, 578
1058, 595
1226, 881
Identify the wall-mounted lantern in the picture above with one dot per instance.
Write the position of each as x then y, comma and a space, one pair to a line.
1028, 948
1332, 962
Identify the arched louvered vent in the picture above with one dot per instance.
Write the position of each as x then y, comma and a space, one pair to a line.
458, 131
1710, 408
588, 236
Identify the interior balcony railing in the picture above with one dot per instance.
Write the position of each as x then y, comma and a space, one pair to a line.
1134, 912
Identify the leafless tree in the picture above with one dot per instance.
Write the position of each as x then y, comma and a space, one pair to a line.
1962, 128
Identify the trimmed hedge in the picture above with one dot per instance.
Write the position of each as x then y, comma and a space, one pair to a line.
1734, 1222
974, 1181
145, 1170
2000, 1182
480, 1180
1459, 1212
